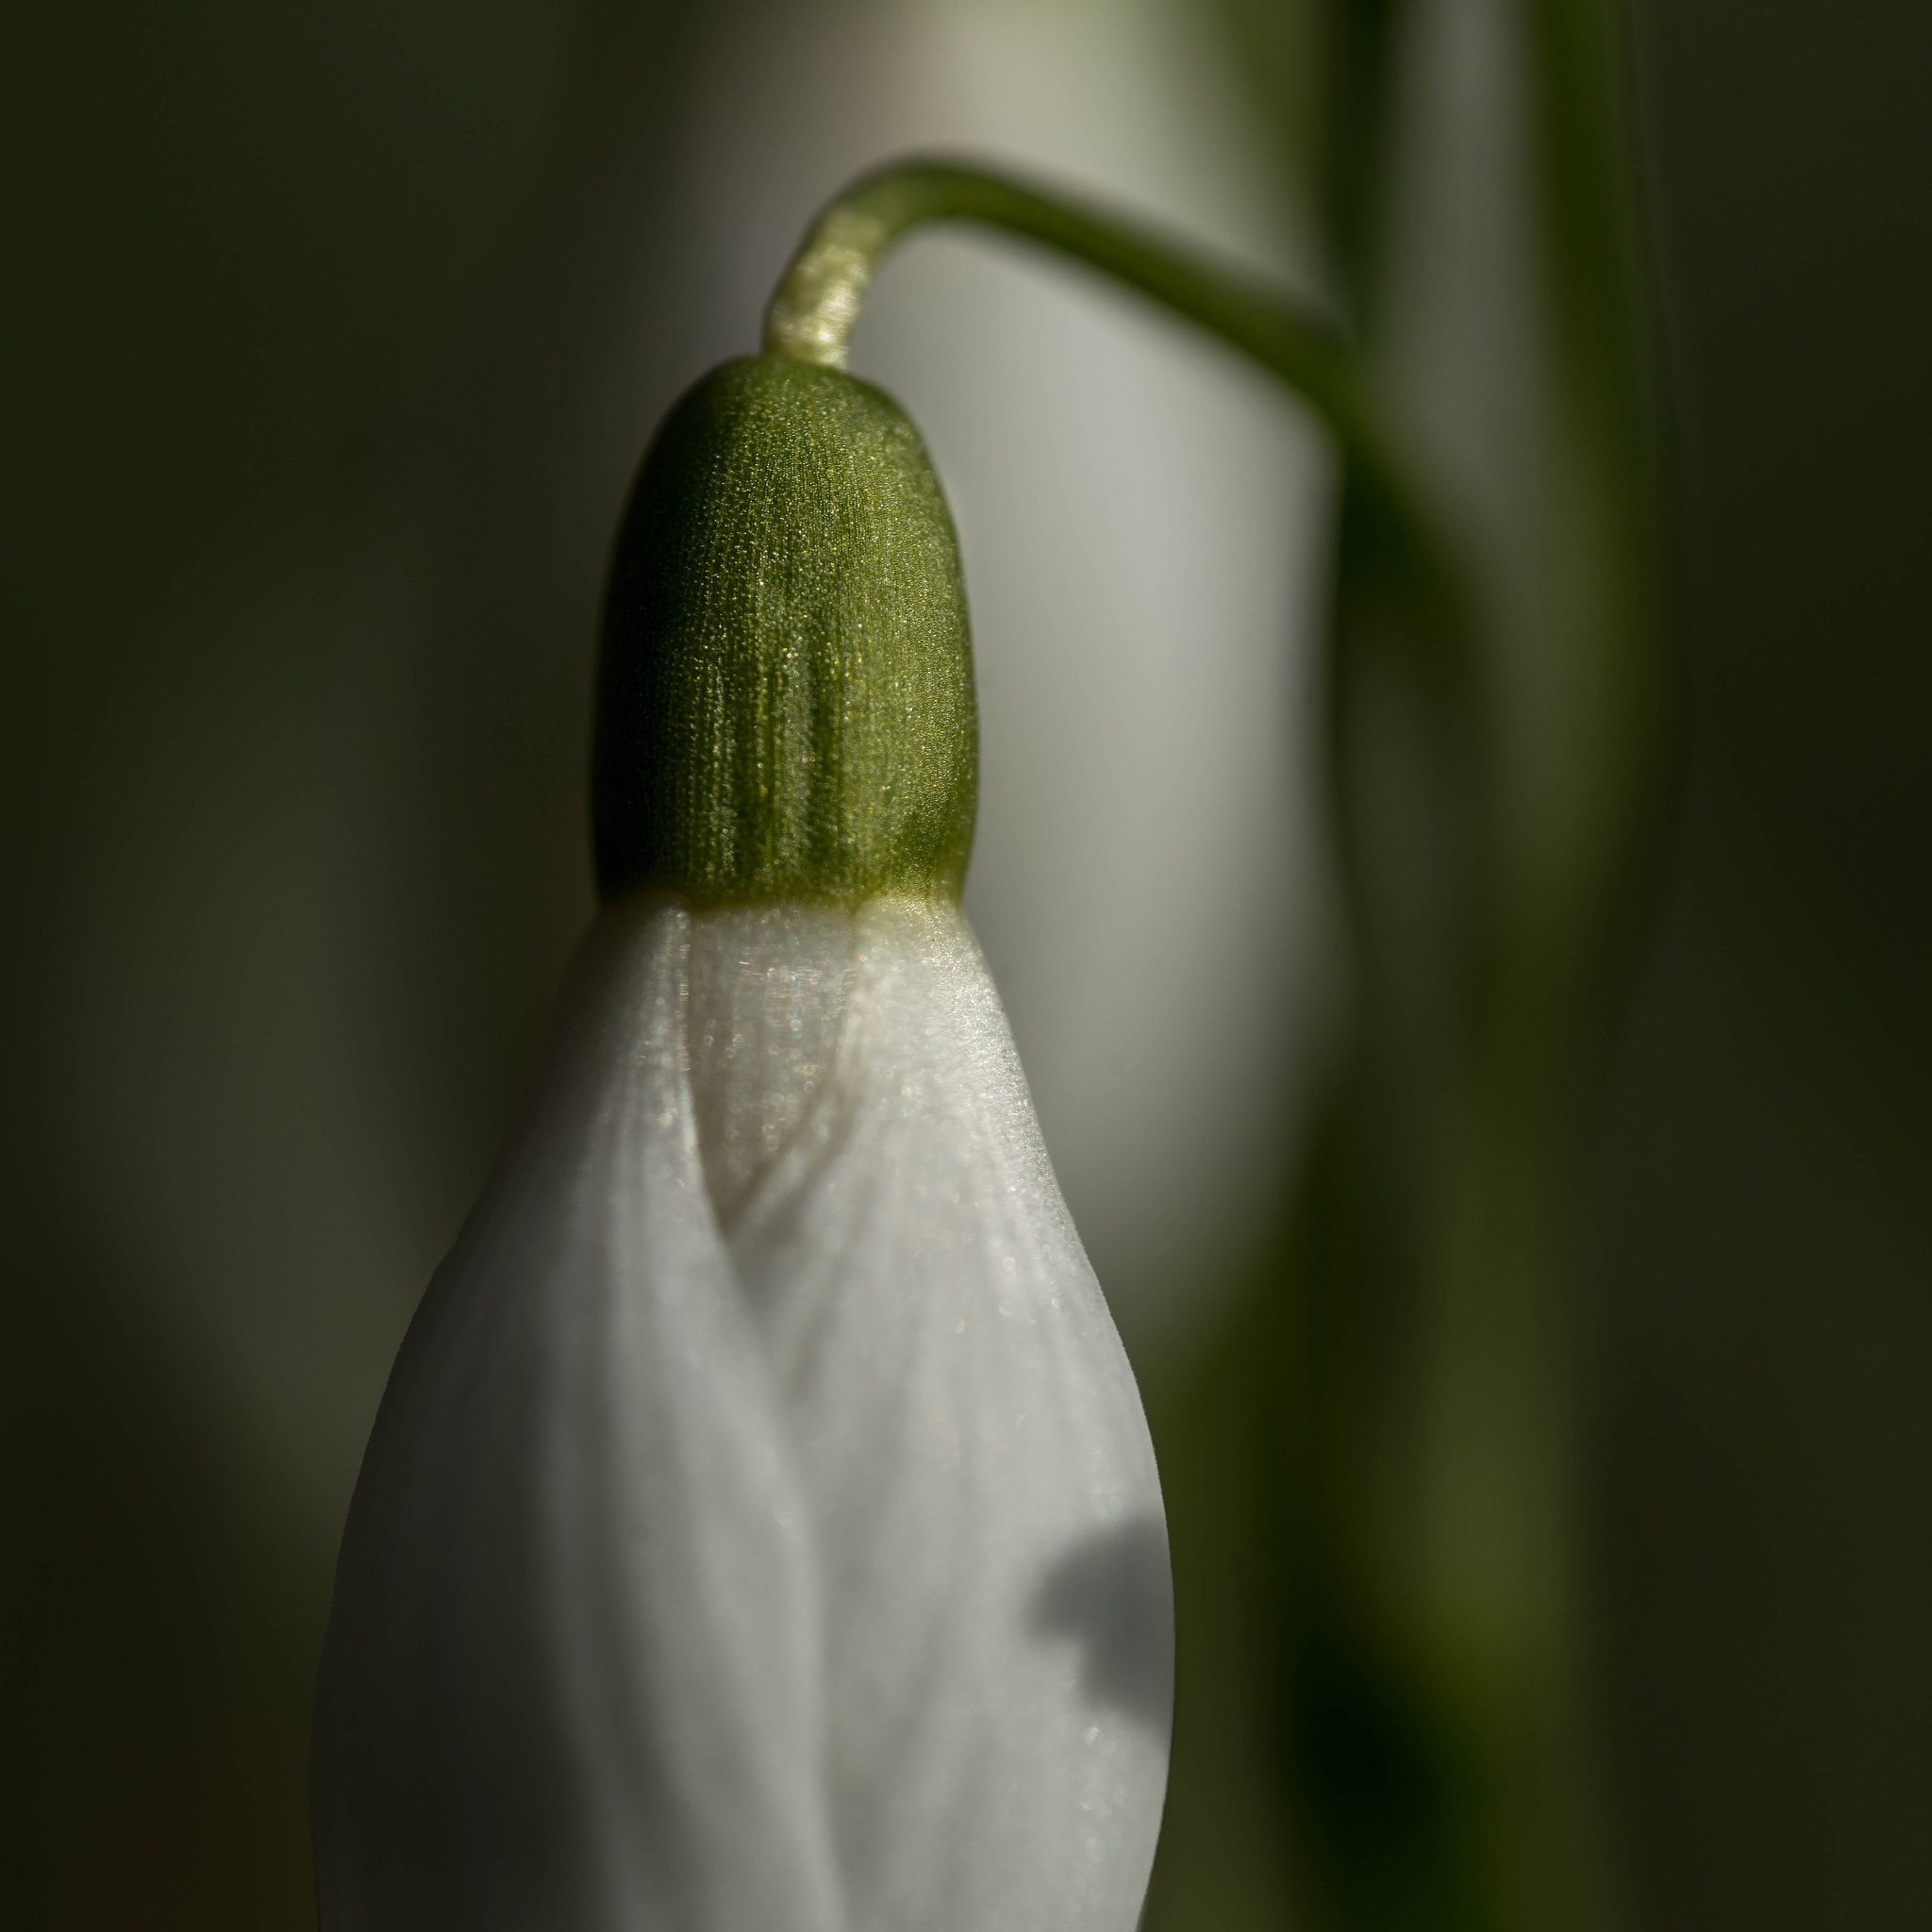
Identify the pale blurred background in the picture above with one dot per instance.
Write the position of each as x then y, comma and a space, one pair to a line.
336, 333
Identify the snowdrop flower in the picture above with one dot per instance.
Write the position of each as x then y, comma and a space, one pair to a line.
760, 1532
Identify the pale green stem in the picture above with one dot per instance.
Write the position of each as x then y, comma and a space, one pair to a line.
817, 301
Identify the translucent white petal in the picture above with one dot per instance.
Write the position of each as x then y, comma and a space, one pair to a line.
761, 1529
983, 1490
573, 1672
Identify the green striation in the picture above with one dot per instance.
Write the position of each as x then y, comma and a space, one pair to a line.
785, 705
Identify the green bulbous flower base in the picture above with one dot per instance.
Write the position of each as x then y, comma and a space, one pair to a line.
785, 705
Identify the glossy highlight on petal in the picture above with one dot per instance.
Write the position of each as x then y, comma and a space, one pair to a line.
761, 1529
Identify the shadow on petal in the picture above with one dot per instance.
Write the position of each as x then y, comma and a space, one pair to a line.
1112, 1593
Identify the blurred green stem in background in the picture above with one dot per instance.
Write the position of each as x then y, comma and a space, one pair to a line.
1384, 1718
1402, 1668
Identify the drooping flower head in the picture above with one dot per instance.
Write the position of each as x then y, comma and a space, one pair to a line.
760, 1532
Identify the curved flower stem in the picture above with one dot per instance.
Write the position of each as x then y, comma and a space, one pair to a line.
818, 298
817, 301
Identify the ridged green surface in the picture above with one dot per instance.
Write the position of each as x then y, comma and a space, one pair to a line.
785, 705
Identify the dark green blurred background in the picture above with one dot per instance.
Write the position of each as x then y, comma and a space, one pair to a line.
320, 393
1765, 1379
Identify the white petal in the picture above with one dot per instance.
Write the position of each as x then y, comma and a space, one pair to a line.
572, 1677
810, 1577
997, 1605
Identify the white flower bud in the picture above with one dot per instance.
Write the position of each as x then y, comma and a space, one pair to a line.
760, 1532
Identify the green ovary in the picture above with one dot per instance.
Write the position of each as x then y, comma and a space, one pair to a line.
785, 707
